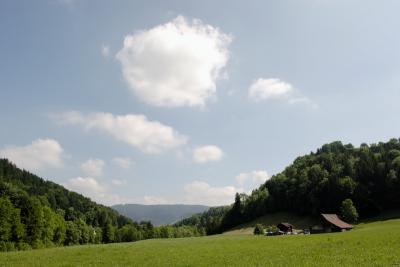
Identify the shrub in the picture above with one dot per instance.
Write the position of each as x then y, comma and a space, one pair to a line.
7, 246
23, 246
349, 211
272, 228
259, 229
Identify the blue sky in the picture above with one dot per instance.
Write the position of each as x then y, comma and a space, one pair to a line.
190, 101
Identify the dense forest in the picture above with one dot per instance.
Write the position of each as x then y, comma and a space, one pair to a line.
208, 221
35, 213
336, 178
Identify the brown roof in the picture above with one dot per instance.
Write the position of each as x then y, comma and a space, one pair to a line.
334, 219
286, 224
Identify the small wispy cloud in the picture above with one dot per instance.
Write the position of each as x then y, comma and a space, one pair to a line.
93, 167
201, 192
123, 162
105, 50
277, 90
205, 154
252, 179
118, 182
151, 137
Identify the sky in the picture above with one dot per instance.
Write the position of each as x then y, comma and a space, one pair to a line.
162, 102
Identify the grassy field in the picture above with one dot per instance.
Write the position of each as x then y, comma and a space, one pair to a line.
370, 244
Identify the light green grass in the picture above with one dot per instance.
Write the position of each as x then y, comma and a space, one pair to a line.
370, 244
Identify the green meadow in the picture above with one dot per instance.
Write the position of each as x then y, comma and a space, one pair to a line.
369, 244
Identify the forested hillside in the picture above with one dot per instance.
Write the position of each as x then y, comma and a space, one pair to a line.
37, 213
158, 214
336, 178
210, 220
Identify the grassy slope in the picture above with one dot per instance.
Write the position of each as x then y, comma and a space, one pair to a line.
370, 244
273, 219
299, 222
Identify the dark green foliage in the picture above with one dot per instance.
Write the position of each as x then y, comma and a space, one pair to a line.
6, 213
258, 229
35, 213
235, 215
35, 221
208, 222
128, 233
108, 233
348, 211
319, 182
72, 233
17, 227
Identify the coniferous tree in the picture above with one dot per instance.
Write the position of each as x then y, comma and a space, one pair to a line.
6, 213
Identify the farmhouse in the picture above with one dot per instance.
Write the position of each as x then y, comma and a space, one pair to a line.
285, 227
331, 223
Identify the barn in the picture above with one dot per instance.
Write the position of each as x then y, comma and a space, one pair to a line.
331, 223
285, 227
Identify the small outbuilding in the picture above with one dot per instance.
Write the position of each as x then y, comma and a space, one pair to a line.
285, 227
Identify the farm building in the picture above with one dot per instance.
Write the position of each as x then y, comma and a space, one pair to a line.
285, 227
331, 223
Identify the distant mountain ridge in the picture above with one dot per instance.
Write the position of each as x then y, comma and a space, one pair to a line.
159, 214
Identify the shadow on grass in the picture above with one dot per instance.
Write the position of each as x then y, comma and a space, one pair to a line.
384, 216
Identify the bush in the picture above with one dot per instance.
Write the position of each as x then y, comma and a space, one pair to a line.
349, 211
7, 246
38, 244
272, 228
23, 246
259, 229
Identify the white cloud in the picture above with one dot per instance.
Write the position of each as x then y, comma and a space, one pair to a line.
91, 188
252, 179
42, 153
153, 200
118, 182
105, 50
93, 167
207, 153
85, 185
123, 162
270, 88
276, 89
175, 64
69, 118
151, 137
200, 192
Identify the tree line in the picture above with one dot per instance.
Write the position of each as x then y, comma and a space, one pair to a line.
351, 181
35, 213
